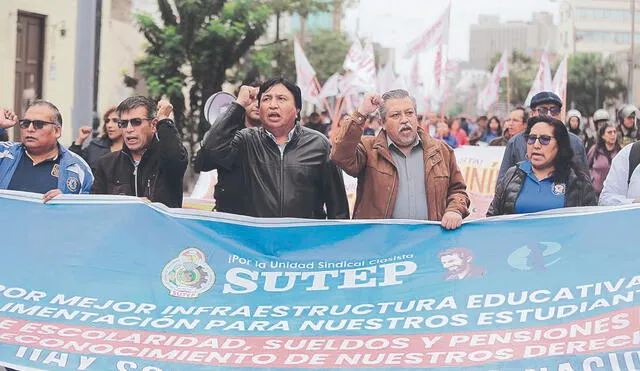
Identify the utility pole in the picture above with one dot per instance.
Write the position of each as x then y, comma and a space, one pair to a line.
632, 56
85, 65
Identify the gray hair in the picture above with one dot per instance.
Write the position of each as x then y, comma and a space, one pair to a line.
138, 101
57, 117
394, 94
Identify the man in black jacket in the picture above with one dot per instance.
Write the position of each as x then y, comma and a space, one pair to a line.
153, 160
286, 167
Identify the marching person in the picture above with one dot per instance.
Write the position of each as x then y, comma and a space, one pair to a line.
601, 155
548, 179
627, 130
544, 103
403, 173
153, 160
514, 124
110, 141
40, 164
228, 189
286, 166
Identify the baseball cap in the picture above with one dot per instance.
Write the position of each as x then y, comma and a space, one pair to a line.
545, 97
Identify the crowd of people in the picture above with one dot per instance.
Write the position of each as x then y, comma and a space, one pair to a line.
271, 165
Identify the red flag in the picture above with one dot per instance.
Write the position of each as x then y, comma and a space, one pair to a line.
438, 33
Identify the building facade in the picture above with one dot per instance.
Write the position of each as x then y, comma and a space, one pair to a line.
40, 40
490, 36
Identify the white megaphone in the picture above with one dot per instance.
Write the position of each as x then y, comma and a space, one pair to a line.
216, 105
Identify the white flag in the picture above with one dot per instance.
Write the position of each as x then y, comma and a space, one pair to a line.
305, 75
560, 80
542, 82
367, 68
438, 33
489, 95
331, 86
386, 78
352, 60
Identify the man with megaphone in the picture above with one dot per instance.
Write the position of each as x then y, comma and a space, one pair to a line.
286, 171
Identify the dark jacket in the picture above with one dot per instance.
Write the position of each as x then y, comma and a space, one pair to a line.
579, 191
159, 174
92, 153
228, 192
516, 152
368, 159
301, 182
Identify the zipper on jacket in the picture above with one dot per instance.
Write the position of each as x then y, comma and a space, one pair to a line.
282, 182
135, 179
393, 187
149, 188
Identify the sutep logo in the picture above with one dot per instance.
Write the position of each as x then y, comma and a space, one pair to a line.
242, 280
188, 275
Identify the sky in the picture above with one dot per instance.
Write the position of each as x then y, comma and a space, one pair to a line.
397, 22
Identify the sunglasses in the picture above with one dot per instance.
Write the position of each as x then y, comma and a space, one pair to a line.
134, 122
544, 110
37, 124
543, 139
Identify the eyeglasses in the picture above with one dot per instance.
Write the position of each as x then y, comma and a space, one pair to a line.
37, 124
544, 110
134, 122
543, 139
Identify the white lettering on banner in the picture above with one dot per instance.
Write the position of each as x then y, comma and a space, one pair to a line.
243, 280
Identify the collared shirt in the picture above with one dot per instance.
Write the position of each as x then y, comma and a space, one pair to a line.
283, 145
411, 200
538, 195
38, 178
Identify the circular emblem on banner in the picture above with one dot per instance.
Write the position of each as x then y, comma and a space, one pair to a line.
72, 184
559, 189
188, 275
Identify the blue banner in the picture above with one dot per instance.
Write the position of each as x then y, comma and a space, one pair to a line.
113, 283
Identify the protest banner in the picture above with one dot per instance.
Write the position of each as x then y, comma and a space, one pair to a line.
479, 167
113, 283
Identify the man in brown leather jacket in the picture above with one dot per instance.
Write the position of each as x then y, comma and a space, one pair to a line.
403, 173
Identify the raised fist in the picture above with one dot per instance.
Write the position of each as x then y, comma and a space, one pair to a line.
164, 109
370, 104
247, 95
7, 118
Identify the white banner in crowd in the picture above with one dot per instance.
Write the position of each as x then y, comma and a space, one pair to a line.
479, 167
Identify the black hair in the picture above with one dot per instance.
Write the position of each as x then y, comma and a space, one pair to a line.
314, 114
135, 102
488, 128
293, 88
600, 143
57, 117
564, 161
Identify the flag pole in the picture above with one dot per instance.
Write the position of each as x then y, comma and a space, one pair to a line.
508, 91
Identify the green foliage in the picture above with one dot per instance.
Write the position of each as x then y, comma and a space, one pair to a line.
325, 50
591, 73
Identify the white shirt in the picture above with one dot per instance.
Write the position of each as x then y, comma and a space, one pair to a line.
616, 191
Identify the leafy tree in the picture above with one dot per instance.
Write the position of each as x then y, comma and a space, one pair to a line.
592, 81
522, 71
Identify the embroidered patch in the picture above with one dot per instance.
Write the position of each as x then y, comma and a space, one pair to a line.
55, 170
558, 189
72, 184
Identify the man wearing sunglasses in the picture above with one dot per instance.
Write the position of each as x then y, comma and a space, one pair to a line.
545, 103
153, 160
40, 164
